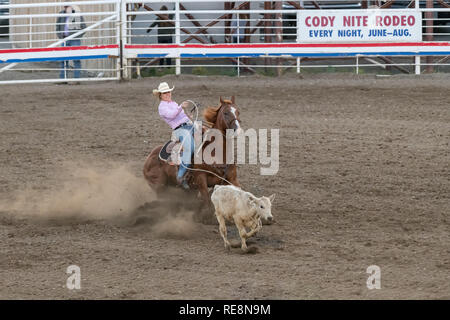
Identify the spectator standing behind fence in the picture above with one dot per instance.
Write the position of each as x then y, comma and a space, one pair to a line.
66, 26
165, 31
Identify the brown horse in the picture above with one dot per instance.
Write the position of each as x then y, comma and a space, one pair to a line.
159, 174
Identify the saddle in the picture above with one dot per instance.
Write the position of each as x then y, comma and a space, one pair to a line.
170, 152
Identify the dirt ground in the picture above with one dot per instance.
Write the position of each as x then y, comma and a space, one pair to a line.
364, 180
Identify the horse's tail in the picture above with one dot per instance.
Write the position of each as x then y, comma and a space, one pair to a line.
152, 162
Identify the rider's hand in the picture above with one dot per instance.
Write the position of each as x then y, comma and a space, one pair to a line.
185, 104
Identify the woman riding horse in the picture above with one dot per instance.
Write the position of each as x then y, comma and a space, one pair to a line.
161, 174
182, 126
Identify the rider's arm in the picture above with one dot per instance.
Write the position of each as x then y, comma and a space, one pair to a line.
170, 111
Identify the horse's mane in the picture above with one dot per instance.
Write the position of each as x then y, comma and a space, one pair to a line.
210, 113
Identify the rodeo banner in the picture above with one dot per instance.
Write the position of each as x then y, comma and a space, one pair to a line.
359, 26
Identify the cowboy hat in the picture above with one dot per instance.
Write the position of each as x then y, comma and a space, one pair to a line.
163, 87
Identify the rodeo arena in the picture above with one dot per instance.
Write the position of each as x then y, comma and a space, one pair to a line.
225, 150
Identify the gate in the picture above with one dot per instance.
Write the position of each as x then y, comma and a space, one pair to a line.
32, 51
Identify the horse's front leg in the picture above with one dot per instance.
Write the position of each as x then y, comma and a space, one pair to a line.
206, 210
202, 183
235, 182
232, 177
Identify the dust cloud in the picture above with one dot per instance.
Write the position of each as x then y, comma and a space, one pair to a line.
180, 226
83, 191
103, 191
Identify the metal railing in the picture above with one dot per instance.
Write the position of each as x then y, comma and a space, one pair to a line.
31, 51
264, 23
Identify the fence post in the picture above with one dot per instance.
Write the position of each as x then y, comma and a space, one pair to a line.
417, 63
30, 35
267, 29
123, 39
177, 37
298, 38
357, 64
430, 31
118, 60
279, 32
238, 34
417, 58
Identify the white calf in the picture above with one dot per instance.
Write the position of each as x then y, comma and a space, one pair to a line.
233, 204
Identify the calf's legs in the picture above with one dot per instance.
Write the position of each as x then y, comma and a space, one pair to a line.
223, 229
255, 229
244, 234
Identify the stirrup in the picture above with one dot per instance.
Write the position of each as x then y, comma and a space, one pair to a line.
184, 184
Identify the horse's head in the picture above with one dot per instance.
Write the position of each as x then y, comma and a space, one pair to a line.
228, 116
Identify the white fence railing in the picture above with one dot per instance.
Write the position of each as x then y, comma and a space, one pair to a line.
34, 46
127, 37
203, 36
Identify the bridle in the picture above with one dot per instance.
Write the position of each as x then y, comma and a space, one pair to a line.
227, 123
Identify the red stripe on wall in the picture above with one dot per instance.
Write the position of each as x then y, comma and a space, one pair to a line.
112, 46
291, 45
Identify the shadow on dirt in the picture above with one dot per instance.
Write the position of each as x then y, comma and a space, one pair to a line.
175, 202
175, 215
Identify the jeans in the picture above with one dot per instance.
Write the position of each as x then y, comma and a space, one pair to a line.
186, 135
65, 64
